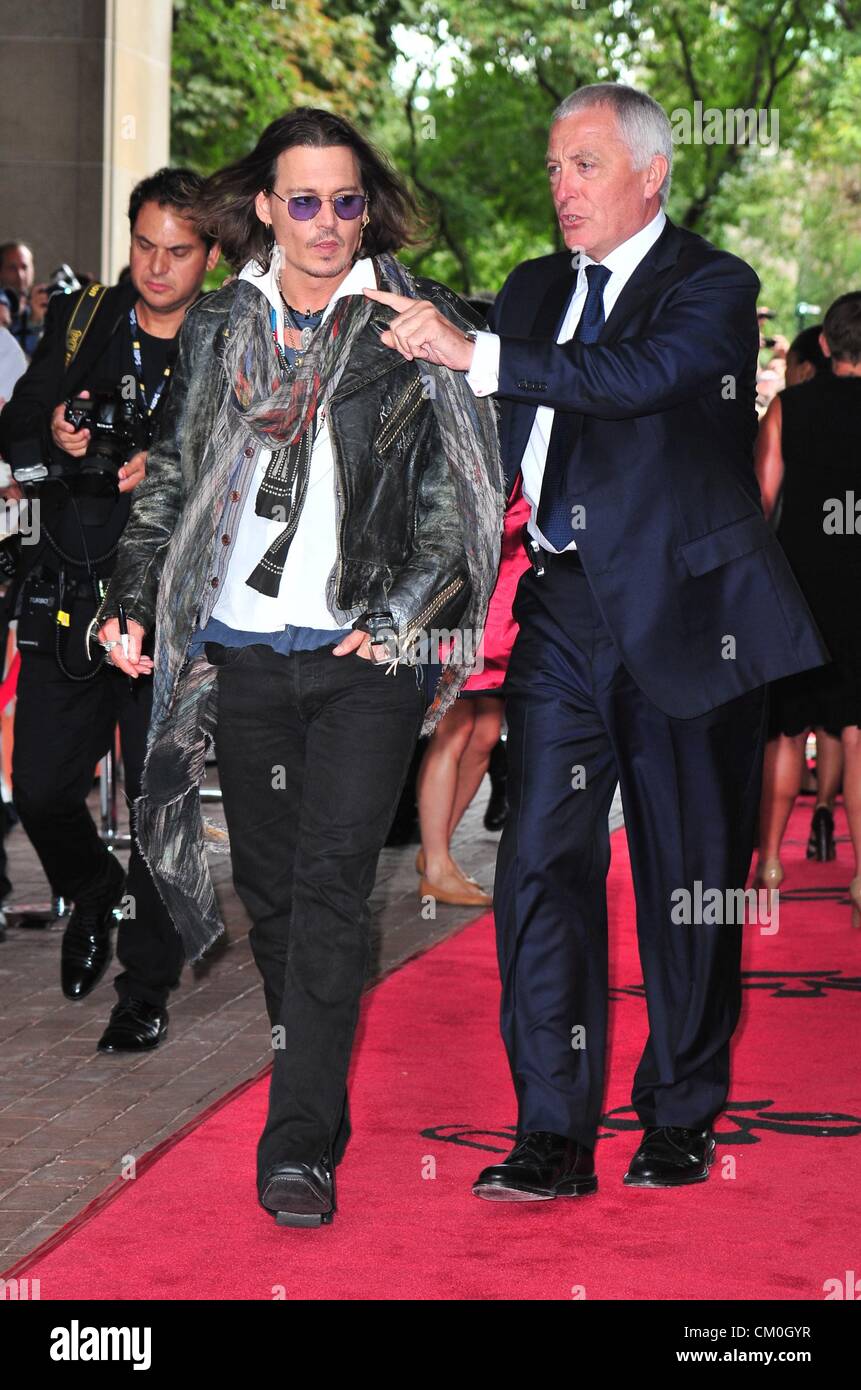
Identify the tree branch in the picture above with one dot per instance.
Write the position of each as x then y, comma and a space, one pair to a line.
459, 252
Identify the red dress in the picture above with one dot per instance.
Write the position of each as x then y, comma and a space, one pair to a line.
500, 628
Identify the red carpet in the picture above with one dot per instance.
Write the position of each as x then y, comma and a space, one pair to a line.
432, 1103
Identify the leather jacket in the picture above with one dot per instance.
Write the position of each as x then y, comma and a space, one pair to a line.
399, 546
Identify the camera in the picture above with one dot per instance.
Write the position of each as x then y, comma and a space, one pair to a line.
116, 431
63, 281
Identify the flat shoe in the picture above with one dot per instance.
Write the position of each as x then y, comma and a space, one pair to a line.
471, 895
420, 868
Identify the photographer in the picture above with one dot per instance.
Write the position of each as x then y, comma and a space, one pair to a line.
82, 417
23, 305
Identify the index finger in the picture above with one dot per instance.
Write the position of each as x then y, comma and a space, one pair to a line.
394, 301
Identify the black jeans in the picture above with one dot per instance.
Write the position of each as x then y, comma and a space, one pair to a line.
313, 751
62, 729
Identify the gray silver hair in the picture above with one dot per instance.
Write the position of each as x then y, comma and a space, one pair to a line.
643, 124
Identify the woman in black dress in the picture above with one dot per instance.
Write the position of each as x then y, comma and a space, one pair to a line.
809, 454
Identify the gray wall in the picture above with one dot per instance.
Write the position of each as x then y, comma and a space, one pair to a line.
84, 113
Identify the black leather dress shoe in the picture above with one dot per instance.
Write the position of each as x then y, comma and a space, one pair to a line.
300, 1194
541, 1165
86, 949
135, 1025
670, 1156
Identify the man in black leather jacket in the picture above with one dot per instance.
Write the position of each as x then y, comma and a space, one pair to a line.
314, 506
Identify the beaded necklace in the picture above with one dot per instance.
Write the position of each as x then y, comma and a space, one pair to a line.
304, 329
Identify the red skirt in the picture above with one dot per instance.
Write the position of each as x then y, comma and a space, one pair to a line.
500, 628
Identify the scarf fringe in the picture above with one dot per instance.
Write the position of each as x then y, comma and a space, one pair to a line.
175, 855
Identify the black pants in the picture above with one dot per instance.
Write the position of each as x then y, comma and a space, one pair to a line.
313, 750
577, 723
62, 729
5, 885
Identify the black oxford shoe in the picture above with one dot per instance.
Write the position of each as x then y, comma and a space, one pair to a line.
670, 1156
134, 1026
300, 1194
86, 950
542, 1165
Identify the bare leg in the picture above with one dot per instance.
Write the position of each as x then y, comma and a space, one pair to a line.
436, 788
781, 779
829, 768
476, 757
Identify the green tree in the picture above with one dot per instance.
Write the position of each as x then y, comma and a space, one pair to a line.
517, 63
237, 64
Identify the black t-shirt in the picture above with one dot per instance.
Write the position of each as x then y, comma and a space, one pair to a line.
103, 521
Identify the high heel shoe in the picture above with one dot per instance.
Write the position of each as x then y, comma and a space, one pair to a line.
820, 846
769, 874
855, 895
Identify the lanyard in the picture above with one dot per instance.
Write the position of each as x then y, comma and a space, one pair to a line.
136, 357
283, 360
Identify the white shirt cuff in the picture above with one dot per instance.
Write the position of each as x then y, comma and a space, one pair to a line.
483, 376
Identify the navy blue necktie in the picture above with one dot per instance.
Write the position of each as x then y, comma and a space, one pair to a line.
554, 518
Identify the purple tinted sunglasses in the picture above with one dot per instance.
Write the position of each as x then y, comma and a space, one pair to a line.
348, 206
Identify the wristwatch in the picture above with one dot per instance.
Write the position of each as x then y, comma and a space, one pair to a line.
380, 626
471, 335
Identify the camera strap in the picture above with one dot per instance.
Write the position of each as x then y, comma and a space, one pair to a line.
82, 316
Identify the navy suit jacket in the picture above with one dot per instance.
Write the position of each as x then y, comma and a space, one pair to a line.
659, 426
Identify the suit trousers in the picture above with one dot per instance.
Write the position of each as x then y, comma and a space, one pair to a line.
313, 752
690, 791
62, 729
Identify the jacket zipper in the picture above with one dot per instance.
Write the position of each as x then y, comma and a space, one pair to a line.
442, 597
401, 415
339, 498
433, 607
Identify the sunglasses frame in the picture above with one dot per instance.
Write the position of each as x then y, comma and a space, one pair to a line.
363, 196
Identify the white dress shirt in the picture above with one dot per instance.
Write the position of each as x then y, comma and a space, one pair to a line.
483, 375
301, 599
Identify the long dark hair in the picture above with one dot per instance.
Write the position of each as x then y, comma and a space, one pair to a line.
226, 209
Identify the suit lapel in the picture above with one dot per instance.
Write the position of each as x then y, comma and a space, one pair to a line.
638, 288
546, 324
641, 284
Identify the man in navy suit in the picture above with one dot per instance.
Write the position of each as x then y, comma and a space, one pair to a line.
657, 608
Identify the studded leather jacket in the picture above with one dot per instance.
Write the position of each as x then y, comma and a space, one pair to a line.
398, 549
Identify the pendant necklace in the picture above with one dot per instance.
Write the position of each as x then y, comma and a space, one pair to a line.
306, 331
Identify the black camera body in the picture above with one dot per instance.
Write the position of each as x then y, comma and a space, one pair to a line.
116, 432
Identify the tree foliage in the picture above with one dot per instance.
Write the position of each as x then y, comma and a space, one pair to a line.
237, 64
468, 122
